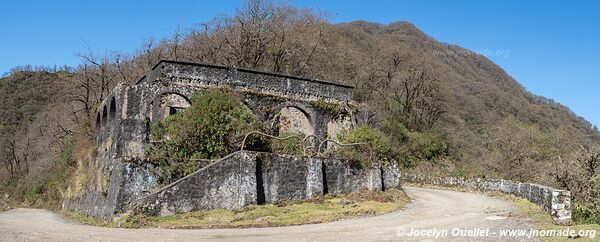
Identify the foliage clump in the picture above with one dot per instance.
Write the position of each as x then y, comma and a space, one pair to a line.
425, 146
333, 108
397, 143
588, 212
372, 145
291, 146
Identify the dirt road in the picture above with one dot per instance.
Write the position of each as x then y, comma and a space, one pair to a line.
433, 211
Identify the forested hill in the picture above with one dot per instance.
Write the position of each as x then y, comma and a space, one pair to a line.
491, 119
445, 109
25, 93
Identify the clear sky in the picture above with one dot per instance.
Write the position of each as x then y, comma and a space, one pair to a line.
551, 47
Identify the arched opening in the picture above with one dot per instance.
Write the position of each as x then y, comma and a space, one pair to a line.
294, 120
104, 115
168, 104
98, 121
113, 109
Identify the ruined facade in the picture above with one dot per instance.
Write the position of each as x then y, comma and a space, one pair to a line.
282, 103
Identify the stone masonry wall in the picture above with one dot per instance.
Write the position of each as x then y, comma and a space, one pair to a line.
246, 177
241, 79
557, 202
229, 183
343, 178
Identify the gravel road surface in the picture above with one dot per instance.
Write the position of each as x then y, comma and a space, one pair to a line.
445, 215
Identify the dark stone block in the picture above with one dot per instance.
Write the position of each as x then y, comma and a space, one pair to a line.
284, 177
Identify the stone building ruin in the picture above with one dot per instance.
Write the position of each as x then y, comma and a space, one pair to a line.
282, 103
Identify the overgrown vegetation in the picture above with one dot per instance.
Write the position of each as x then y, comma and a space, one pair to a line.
290, 146
333, 108
408, 148
371, 146
320, 210
586, 211
214, 126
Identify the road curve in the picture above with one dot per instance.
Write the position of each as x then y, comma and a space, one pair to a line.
433, 210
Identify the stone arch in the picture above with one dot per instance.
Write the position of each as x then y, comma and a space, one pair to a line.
293, 118
168, 103
113, 109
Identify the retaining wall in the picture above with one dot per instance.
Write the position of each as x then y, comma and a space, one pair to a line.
246, 177
557, 202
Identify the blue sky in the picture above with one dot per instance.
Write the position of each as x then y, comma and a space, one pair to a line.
551, 47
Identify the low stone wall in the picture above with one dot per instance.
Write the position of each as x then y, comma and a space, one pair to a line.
245, 178
343, 178
229, 183
557, 202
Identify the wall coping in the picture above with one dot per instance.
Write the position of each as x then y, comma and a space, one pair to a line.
253, 71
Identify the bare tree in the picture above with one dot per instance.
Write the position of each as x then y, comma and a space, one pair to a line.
261, 35
576, 172
95, 77
407, 90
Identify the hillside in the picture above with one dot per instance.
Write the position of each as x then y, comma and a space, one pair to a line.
484, 104
32, 104
23, 94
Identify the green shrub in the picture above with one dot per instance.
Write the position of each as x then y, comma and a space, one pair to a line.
290, 146
584, 214
212, 127
589, 212
52, 189
376, 147
427, 145
396, 129
422, 146
458, 172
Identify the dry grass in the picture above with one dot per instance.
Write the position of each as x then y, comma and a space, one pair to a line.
320, 210
540, 218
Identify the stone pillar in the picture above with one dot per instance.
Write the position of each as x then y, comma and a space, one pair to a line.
391, 176
561, 207
314, 178
245, 174
374, 178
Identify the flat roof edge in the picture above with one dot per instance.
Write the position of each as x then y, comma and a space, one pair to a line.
251, 71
